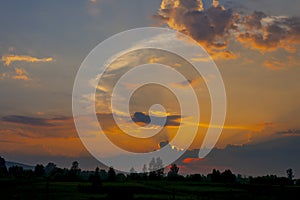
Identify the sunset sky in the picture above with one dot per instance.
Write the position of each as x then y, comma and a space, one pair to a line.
255, 44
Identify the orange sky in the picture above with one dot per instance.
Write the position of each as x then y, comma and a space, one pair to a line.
256, 50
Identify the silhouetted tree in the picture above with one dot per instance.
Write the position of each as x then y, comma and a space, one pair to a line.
75, 170
50, 169
111, 174
144, 175
145, 169
133, 175
174, 170
3, 169
75, 166
103, 175
132, 170
215, 176
16, 171
290, 174
60, 174
95, 179
156, 168
227, 176
173, 173
39, 170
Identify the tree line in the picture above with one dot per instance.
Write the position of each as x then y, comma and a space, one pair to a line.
154, 171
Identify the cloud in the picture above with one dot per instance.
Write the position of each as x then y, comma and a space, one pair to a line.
271, 157
39, 136
209, 25
8, 59
17, 74
4, 75
20, 74
190, 160
275, 64
34, 121
270, 33
290, 132
216, 27
172, 120
37, 127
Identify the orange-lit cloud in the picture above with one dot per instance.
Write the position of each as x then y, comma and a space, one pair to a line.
4, 75
255, 128
20, 74
210, 27
270, 33
274, 64
215, 27
8, 59
190, 160
40, 136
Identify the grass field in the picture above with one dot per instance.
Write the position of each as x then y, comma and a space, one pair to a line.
40, 189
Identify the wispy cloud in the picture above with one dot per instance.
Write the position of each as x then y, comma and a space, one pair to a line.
8, 59
33, 121
37, 127
17, 74
21, 74
274, 64
254, 127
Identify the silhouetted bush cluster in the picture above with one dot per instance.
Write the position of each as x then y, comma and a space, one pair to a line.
225, 177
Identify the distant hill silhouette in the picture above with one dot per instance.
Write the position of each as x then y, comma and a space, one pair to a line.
24, 166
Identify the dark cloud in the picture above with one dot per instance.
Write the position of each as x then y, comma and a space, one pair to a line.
209, 26
269, 33
271, 157
215, 26
33, 121
172, 120
289, 132
7, 141
254, 21
16, 127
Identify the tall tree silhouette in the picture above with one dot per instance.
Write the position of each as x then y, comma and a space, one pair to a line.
111, 174
50, 169
173, 171
3, 169
95, 179
156, 168
290, 174
39, 170
75, 170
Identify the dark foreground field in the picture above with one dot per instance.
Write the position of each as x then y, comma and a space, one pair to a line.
40, 189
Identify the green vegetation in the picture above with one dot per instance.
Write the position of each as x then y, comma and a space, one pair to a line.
42, 189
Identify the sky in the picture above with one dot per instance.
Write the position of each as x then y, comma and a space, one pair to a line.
255, 45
